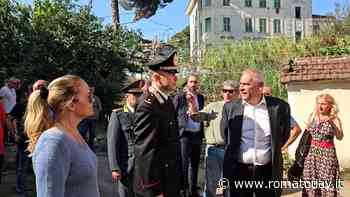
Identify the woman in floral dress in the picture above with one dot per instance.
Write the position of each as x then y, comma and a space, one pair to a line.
321, 164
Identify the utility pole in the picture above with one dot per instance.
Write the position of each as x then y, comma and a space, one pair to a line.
115, 13
90, 5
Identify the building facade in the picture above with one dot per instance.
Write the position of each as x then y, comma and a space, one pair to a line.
214, 21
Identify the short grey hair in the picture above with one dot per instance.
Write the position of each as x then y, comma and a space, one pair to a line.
257, 75
230, 83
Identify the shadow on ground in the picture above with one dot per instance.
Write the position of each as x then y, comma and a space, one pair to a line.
107, 188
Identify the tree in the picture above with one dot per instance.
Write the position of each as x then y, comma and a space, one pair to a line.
229, 60
60, 37
144, 8
181, 41
115, 13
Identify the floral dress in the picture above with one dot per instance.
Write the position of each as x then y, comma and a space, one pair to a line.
321, 166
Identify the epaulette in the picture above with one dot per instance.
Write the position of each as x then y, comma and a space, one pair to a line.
157, 95
149, 98
117, 110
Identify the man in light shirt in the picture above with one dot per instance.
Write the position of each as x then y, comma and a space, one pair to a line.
294, 126
8, 92
215, 139
191, 132
257, 128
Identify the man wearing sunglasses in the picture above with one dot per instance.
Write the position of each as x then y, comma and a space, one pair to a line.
157, 147
215, 139
121, 138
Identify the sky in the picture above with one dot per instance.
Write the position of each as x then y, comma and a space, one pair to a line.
172, 18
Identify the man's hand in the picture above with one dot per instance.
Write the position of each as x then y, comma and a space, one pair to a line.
284, 149
213, 115
190, 97
116, 176
17, 138
160, 195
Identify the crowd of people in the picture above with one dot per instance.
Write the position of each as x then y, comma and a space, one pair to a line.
154, 140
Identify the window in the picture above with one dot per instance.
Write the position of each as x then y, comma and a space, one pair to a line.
297, 36
316, 28
226, 23
226, 2
277, 3
200, 30
262, 23
195, 34
298, 12
248, 25
276, 26
199, 5
208, 24
248, 3
262, 3
207, 3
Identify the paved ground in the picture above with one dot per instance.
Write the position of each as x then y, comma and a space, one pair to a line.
7, 188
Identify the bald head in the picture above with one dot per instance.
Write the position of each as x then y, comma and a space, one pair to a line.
39, 84
251, 86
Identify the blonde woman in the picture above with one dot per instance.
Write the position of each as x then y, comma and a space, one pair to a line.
321, 163
63, 163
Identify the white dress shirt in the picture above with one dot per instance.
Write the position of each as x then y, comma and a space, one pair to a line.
255, 145
131, 109
9, 95
191, 125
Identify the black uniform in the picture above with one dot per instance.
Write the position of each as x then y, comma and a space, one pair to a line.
157, 147
120, 142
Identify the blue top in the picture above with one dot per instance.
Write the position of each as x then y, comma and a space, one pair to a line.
63, 167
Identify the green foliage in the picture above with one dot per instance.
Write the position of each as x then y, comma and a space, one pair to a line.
59, 37
181, 41
287, 162
229, 61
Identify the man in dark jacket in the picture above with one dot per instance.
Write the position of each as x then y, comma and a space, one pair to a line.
157, 147
121, 138
191, 132
257, 128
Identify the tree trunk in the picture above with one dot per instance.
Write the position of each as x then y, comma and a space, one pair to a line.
115, 13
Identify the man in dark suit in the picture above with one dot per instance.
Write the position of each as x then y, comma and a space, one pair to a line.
157, 145
121, 138
191, 132
256, 127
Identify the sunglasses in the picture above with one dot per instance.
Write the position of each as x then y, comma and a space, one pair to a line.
172, 72
228, 91
137, 93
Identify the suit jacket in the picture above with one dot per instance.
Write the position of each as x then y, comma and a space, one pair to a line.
180, 104
157, 148
231, 123
120, 142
